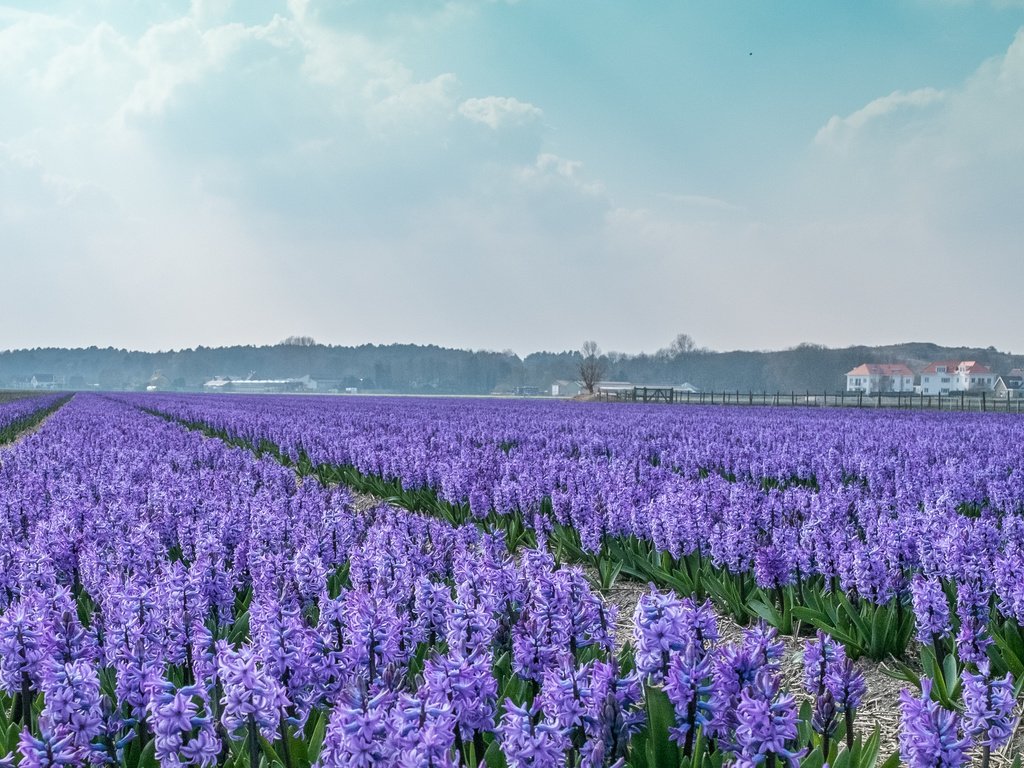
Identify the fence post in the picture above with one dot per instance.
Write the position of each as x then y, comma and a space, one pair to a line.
983, 401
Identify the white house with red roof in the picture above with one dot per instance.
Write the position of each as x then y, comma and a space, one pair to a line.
871, 378
947, 376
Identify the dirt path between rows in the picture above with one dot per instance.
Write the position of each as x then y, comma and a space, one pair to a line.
10, 445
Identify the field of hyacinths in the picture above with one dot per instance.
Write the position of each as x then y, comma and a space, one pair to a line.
295, 582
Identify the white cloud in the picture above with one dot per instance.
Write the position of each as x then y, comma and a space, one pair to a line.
214, 148
839, 130
498, 111
927, 149
550, 169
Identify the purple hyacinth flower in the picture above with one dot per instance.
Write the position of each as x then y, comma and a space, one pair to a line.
183, 734
988, 708
846, 683
817, 656
614, 714
21, 649
249, 691
47, 751
766, 723
972, 608
930, 735
688, 686
466, 685
357, 734
528, 741
661, 631
931, 609
73, 706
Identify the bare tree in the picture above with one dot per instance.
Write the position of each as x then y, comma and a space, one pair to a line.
298, 341
682, 344
591, 367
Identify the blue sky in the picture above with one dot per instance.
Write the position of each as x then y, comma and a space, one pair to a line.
520, 175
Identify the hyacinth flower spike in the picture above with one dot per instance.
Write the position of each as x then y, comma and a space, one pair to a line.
47, 751
846, 685
989, 706
688, 686
528, 740
930, 735
931, 612
818, 656
21, 660
766, 725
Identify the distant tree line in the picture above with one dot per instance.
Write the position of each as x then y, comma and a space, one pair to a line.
412, 369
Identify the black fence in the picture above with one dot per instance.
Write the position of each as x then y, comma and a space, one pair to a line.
957, 401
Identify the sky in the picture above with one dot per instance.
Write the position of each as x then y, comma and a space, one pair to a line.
511, 175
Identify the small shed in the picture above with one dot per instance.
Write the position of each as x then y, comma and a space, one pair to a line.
1008, 387
565, 388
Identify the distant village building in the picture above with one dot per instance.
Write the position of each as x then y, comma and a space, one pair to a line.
947, 376
158, 383
871, 378
527, 391
566, 388
46, 381
1009, 387
613, 387
260, 386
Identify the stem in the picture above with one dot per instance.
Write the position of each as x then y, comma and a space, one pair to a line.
252, 743
460, 748
222, 732
479, 747
26, 700
15, 715
285, 748
691, 716
848, 714
142, 734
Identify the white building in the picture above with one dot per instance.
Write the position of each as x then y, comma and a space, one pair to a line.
565, 388
46, 381
872, 378
947, 376
260, 386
